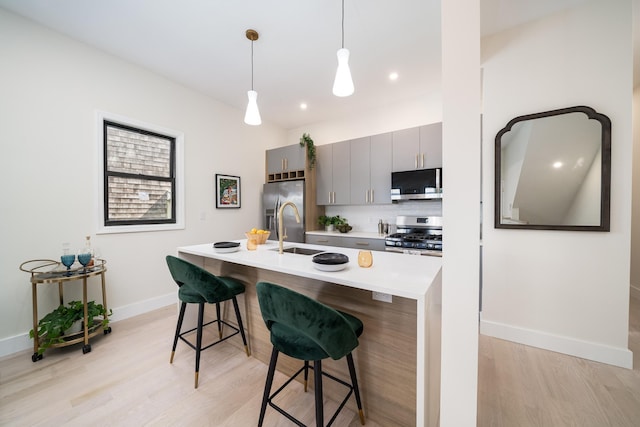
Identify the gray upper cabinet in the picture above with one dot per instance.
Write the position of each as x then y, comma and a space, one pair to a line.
431, 145
417, 148
284, 159
371, 169
333, 174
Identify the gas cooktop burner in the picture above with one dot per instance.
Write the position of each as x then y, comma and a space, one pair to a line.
422, 235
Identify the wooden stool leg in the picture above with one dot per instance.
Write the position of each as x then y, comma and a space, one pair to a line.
317, 379
268, 384
354, 383
240, 326
199, 340
183, 307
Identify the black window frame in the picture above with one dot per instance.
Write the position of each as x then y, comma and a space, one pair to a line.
107, 174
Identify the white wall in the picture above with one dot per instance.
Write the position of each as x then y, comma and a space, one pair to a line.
51, 87
564, 291
635, 226
404, 115
635, 214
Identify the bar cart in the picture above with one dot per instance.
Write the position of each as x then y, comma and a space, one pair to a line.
48, 272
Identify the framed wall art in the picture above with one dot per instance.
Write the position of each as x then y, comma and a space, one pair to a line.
227, 191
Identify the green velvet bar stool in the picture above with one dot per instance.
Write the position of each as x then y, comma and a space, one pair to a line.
198, 286
307, 330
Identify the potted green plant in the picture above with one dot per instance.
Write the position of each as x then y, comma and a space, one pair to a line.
325, 221
53, 326
331, 222
338, 220
305, 140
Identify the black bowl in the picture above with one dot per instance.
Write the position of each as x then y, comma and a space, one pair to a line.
344, 228
225, 245
330, 258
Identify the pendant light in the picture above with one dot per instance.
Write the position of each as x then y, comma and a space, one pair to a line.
252, 116
343, 84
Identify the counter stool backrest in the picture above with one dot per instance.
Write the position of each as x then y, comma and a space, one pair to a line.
326, 327
197, 284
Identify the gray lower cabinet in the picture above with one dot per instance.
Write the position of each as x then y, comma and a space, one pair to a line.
346, 242
333, 174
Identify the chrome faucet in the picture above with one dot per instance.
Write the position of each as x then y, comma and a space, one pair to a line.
281, 235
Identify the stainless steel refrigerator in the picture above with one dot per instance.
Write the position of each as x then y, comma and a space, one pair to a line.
273, 196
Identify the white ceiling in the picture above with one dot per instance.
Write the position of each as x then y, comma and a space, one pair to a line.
201, 44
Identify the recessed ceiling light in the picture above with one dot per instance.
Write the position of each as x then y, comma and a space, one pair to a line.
303, 105
393, 76
557, 165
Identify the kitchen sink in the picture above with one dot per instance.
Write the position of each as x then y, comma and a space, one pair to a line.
300, 251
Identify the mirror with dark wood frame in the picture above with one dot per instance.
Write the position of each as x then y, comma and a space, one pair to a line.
553, 171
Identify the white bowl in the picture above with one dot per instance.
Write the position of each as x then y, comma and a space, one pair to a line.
226, 250
329, 267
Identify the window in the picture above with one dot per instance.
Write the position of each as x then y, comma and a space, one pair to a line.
140, 177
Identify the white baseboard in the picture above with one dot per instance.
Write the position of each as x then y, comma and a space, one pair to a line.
635, 292
574, 347
22, 342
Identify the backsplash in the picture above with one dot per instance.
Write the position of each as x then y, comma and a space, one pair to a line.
365, 218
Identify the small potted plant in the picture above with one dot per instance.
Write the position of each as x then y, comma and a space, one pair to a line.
331, 223
56, 326
325, 221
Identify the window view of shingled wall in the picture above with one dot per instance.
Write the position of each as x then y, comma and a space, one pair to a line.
147, 156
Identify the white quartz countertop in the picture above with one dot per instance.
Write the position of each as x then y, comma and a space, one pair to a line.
355, 234
403, 275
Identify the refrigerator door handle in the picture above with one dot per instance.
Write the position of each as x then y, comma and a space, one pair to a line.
276, 219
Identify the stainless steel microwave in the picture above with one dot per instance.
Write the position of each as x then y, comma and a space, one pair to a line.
421, 184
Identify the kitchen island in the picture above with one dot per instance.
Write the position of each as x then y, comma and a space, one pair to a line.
398, 359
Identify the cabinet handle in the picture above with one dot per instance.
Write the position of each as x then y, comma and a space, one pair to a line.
286, 163
322, 240
362, 244
416, 161
366, 196
281, 164
422, 165
371, 198
334, 197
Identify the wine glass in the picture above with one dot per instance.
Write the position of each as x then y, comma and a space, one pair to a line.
68, 260
84, 258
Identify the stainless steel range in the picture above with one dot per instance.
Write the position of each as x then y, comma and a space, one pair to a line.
420, 235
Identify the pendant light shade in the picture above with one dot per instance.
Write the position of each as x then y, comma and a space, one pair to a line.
252, 115
343, 83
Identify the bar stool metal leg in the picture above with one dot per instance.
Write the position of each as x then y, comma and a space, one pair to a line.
199, 340
354, 383
306, 374
267, 386
219, 320
317, 379
183, 307
240, 326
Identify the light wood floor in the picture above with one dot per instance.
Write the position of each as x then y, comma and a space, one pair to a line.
526, 386
127, 380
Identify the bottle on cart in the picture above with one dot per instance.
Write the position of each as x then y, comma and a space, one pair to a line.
85, 255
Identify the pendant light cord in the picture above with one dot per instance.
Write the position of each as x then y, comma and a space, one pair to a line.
251, 64
343, 24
